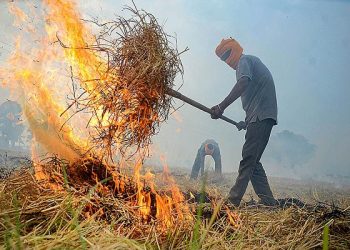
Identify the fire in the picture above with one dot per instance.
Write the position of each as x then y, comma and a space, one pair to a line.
34, 75
166, 204
233, 218
143, 198
65, 22
38, 76
177, 196
21, 17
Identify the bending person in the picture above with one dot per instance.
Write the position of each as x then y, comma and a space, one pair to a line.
209, 147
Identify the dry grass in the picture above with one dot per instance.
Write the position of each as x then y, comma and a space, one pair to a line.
138, 62
34, 217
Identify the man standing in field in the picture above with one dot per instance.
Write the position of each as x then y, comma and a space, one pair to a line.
256, 88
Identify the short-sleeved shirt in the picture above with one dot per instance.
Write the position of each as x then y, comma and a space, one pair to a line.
259, 98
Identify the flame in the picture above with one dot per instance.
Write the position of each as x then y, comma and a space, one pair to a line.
170, 204
33, 73
73, 33
177, 196
143, 198
233, 218
36, 73
21, 16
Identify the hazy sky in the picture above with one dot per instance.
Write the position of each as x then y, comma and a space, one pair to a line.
306, 46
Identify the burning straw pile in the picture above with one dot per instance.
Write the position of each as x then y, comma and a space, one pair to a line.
138, 63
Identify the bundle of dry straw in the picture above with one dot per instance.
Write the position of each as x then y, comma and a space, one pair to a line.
139, 63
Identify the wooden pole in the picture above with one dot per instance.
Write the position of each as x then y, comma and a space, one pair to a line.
198, 105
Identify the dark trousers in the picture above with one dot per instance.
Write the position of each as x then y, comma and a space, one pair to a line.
250, 168
198, 164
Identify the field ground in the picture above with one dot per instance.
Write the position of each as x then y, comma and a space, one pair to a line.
306, 190
32, 217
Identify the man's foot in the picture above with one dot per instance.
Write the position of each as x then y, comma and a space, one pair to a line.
269, 202
233, 202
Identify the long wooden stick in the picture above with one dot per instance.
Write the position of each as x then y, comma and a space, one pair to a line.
198, 105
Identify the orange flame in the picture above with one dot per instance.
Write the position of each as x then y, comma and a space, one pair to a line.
73, 33
21, 17
233, 218
36, 74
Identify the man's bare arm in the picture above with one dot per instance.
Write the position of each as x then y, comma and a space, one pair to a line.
236, 92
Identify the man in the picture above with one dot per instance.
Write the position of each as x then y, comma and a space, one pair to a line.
256, 88
208, 147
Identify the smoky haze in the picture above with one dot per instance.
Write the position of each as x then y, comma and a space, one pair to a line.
289, 150
306, 46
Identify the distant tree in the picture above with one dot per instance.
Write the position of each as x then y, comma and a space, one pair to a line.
11, 127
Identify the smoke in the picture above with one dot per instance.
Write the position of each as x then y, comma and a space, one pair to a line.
289, 149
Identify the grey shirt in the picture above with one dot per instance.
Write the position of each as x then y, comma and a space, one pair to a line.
259, 99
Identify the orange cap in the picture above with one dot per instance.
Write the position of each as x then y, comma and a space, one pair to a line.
229, 50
